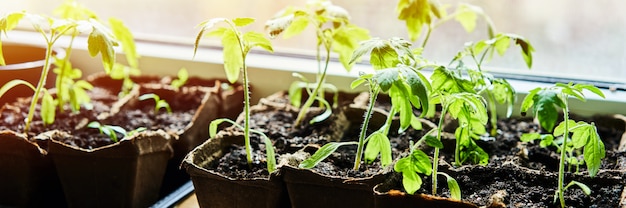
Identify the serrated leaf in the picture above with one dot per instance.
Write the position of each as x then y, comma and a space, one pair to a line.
356, 83
296, 26
467, 17
419, 86
582, 134
99, 43
255, 39
10, 21
233, 60
416, 14
544, 108
123, 34
386, 78
242, 21
446, 80
502, 44
322, 154
591, 88
345, 40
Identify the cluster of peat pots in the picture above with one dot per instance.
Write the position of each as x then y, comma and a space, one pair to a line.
518, 174
69, 163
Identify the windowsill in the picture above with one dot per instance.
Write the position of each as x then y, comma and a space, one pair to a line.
270, 73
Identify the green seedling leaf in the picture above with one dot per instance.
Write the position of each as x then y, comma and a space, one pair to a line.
123, 34
100, 43
48, 108
544, 108
594, 152
345, 40
416, 14
419, 86
433, 141
560, 129
183, 76
233, 61
255, 39
466, 15
378, 143
582, 186
410, 166
298, 24
158, 102
527, 50
528, 137
72, 10
446, 80
269, 152
322, 154
243, 21
214, 124
455, 189
295, 93
327, 111
13, 83
546, 140
502, 44
504, 93
416, 123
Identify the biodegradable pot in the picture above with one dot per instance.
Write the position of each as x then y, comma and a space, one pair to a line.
215, 102
217, 190
394, 198
124, 174
24, 62
311, 189
28, 178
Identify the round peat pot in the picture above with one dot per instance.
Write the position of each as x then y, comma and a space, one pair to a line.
24, 62
394, 198
124, 174
28, 177
217, 190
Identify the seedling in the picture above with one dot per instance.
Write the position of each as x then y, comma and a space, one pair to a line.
181, 79
100, 41
334, 33
496, 90
111, 131
158, 103
544, 103
236, 47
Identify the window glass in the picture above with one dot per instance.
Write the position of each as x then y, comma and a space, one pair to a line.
572, 38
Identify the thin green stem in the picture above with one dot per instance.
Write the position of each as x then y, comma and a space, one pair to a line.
313, 95
42, 80
368, 115
436, 154
563, 146
62, 75
430, 29
389, 120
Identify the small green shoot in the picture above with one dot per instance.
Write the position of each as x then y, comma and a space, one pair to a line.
181, 79
334, 32
236, 47
544, 103
74, 20
111, 131
159, 103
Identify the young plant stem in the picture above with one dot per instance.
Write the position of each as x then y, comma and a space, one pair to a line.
246, 110
68, 54
436, 154
313, 95
367, 117
562, 159
42, 80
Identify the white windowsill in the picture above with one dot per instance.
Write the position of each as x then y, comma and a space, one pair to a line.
271, 73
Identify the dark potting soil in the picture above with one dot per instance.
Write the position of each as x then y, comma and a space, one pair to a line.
525, 175
183, 110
